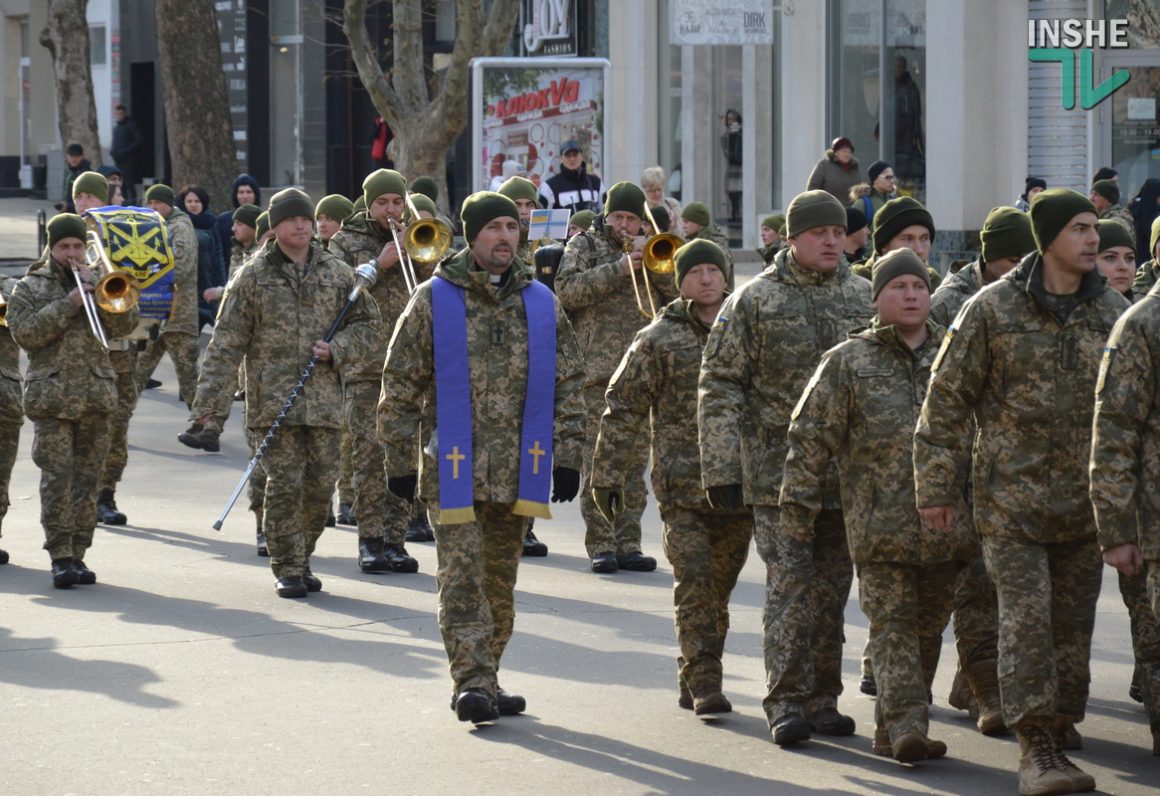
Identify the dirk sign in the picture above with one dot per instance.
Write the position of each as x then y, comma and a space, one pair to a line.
1066, 41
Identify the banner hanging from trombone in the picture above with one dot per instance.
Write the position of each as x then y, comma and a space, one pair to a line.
137, 242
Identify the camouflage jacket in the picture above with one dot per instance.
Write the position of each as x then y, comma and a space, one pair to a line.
1026, 378
715, 234
1125, 459
69, 373
361, 240
1146, 277
11, 385
598, 297
657, 376
183, 241
1118, 212
769, 252
497, 339
239, 255
767, 341
271, 314
954, 291
859, 410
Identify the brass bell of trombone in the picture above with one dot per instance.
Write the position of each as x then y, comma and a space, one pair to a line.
427, 240
657, 257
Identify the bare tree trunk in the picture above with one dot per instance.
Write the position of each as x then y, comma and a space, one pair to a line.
198, 126
66, 37
426, 126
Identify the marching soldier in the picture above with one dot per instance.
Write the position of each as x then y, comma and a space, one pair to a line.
1007, 239
595, 287
658, 377
180, 333
329, 214
484, 362
859, 411
768, 338
11, 405
366, 237
697, 224
70, 393
274, 311
1020, 360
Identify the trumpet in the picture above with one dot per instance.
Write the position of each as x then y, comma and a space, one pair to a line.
116, 292
657, 257
425, 240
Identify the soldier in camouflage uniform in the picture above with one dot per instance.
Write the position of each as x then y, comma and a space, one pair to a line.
1125, 466
366, 237
697, 224
767, 341
1146, 274
274, 312
1105, 195
771, 242
859, 411
657, 378
595, 287
1020, 361
1007, 239
70, 393
479, 554
329, 214
180, 333
11, 406
901, 223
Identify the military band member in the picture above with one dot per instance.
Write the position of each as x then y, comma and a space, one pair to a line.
329, 214
275, 310
1020, 361
698, 224
595, 287
483, 361
768, 338
859, 411
70, 393
366, 237
657, 379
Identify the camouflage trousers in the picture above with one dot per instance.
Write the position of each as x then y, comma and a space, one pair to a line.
380, 512
807, 585
1145, 640
301, 465
601, 536
976, 615
124, 365
1047, 611
182, 350
9, 444
1153, 570
69, 454
476, 577
345, 474
257, 486
707, 552
908, 607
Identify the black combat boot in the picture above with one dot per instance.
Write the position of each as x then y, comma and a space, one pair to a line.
419, 529
533, 547
107, 513
64, 575
399, 559
291, 586
85, 576
346, 515
370, 557
263, 549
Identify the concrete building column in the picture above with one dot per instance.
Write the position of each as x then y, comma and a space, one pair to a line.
802, 109
632, 49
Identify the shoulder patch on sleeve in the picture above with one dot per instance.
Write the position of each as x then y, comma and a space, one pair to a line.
1105, 364
813, 382
942, 351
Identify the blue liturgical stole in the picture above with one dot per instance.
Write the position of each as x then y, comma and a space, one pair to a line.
453, 411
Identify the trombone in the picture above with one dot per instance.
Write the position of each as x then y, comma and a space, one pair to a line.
425, 240
3, 311
116, 292
657, 256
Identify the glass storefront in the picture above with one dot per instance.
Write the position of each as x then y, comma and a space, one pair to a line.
877, 94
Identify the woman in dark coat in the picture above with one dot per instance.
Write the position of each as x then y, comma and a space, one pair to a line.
211, 266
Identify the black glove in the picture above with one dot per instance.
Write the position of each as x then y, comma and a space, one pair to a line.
726, 497
403, 486
565, 484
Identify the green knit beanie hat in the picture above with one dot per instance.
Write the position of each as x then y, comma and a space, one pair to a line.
697, 212
894, 264
520, 188
625, 197
895, 216
582, 219
248, 215
1006, 233
360, 204
425, 186
262, 224
289, 203
160, 192
1115, 233
1109, 189
1052, 210
66, 225
773, 222
422, 202
383, 181
92, 183
699, 252
482, 207
813, 209
335, 206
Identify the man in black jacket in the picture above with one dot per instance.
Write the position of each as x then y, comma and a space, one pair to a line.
573, 188
128, 144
